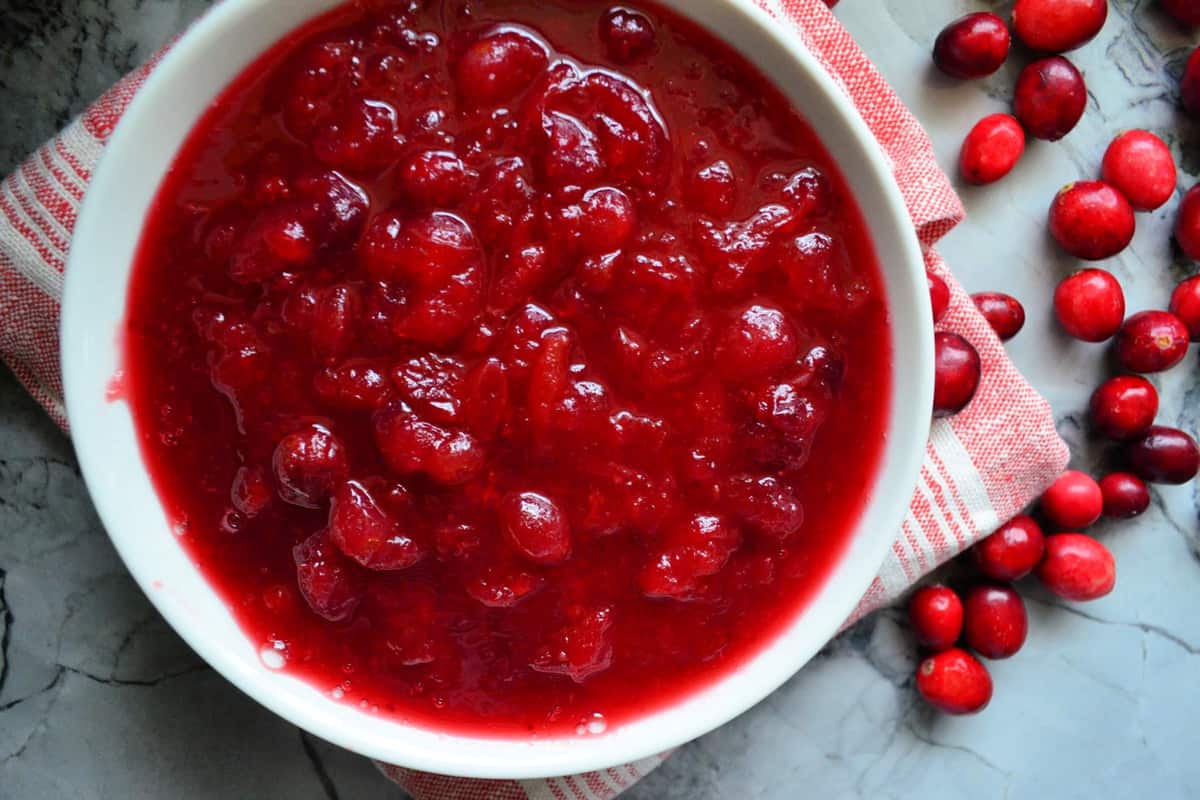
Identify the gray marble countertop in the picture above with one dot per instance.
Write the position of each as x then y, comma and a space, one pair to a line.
99, 699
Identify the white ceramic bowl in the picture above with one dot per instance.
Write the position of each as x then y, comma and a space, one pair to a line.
145, 143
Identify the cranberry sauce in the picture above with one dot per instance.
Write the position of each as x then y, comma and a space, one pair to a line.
508, 366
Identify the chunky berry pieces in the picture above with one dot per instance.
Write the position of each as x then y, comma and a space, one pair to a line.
760, 341
330, 584
972, 46
936, 613
1125, 495
1077, 567
1056, 26
1185, 304
1003, 312
1072, 501
1187, 224
939, 295
1151, 341
627, 34
957, 371
1049, 98
991, 149
369, 533
496, 67
994, 620
1091, 220
1164, 455
536, 526
1090, 305
1124, 407
1012, 551
954, 681
309, 464
1140, 166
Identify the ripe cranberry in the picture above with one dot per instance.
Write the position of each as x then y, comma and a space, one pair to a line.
936, 613
1186, 12
609, 220
354, 385
954, 681
972, 46
1164, 455
994, 620
1003, 312
362, 137
1090, 305
1056, 26
1077, 567
329, 582
1125, 495
1072, 501
1187, 224
309, 464
366, 532
1189, 86
628, 35
759, 342
712, 189
991, 149
496, 68
1012, 551
410, 445
1141, 167
1049, 98
1151, 341
939, 295
435, 179
1185, 304
536, 527
1091, 220
1124, 407
956, 373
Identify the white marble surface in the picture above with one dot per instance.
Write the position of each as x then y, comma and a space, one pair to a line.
98, 699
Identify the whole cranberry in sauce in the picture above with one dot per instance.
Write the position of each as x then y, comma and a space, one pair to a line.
1090, 305
1056, 26
1003, 312
1077, 567
628, 34
1185, 304
972, 46
1187, 223
1012, 551
1091, 220
994, 620
956, 373
1125, 495
1140, 166
1151, 341
954, 681
1049, 98
936, 613
1164, 455
991, 149
1124, 407
1072, 501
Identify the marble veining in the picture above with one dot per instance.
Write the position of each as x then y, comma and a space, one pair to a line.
99, 699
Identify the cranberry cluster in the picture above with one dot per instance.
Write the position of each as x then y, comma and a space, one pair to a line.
1091, 220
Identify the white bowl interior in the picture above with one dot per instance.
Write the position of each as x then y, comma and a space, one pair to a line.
143, 147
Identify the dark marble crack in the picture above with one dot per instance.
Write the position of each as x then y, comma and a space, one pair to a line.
142, 682
318, 766
1145, 627
929, 740
53, 686
58, 676
6, 634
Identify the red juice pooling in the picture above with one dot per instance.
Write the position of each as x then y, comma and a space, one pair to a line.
509, 363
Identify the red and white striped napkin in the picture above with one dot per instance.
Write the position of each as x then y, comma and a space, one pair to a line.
981, 467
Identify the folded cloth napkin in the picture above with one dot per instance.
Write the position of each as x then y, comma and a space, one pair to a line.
981, 467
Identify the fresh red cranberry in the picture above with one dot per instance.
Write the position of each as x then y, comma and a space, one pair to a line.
1049, 98
1091, 220
972, 46
1072, 501
1187, 223
1185, 304
713, 189
435, 179
1164, 455
991, 149
939, 295
1056, 26
331, 585
1124, 407
1141, 167
994, 620
1077, 567
1152, 341
497, 67
580, 650
536, 527
628, 35
1186, 12
759, 342
1003, 312
1189, 86
936, 613
1125, 495
366, 532
954, 681
309, 464
957, 371
1012, 551
1090, 305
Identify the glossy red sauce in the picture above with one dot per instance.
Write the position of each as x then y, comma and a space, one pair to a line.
508, 365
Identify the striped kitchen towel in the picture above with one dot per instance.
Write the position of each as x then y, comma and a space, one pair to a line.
981, 467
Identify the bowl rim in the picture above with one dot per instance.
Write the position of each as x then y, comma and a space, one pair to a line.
478, 757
